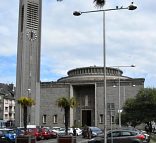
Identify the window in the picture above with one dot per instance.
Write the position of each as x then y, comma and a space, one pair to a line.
114, 134
101, 118
55, 119
6, 109
111, 106
86, 100
126, 133
44, 118
113, 119
6, 116
32, 16
22, 18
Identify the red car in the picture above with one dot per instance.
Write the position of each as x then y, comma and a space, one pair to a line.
45, 133
52, 134
35, 132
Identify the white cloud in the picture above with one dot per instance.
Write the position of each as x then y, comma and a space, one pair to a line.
70, 42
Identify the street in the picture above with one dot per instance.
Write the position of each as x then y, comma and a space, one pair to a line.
79, 139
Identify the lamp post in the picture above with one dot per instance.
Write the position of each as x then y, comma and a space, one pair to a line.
119, 98
29, 110
78, 13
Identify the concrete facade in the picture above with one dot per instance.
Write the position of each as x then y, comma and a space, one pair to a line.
86, 85
28, 58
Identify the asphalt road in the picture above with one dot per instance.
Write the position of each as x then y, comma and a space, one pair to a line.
79, 139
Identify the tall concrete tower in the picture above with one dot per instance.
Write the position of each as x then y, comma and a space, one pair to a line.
28, 58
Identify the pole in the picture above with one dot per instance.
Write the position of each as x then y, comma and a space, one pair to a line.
104, 66
20, 116
111, 125
119, 100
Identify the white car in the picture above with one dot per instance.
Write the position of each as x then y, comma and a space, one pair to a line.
56, 129
78, 131
70, 131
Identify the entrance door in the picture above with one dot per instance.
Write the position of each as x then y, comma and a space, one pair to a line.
86, 117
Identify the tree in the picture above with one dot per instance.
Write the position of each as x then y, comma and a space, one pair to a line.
25, 103
98, 3
142, 108
129, 114
66, 104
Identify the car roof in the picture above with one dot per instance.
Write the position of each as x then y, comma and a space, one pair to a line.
121, 130
6, 129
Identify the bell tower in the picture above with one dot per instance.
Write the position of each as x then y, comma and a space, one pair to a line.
28, 59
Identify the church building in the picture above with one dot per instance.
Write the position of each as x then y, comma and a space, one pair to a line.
86, 84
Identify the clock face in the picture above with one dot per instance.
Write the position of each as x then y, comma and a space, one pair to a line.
32, 35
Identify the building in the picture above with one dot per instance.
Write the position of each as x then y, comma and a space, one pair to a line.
86, 84
28, 57
7, 105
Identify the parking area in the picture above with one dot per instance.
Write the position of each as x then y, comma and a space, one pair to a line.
79, 139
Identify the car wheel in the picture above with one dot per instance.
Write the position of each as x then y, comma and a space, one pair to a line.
42, 138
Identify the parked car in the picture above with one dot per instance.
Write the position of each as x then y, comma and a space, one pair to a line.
3, 139
61, 132
8, 135
122, 136
37, 132
52, 134
19, 131
78, 131
56, 129
147, 136
45, 133
94, 131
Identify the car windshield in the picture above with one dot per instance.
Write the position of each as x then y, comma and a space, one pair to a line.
8, 131
95, 129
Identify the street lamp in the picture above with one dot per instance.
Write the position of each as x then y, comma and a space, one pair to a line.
29, 110
119, 98
78, 13
130, 7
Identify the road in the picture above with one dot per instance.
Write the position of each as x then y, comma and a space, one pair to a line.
79, 139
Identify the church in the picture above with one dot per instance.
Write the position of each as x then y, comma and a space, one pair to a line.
86, 84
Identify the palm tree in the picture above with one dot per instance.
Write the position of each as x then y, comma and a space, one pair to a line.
98, 3
25, 103
66, 104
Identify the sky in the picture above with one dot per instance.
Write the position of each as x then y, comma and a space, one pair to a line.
69, 42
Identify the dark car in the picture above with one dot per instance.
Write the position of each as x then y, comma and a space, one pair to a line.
94, 131
147, 136
121, 136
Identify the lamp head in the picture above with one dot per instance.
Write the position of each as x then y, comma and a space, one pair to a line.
77, 13
133, 66
132, 7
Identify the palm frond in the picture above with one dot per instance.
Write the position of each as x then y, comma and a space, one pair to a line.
26, 101
99, 3
64, 102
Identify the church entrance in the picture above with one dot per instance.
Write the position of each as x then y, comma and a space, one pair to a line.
86, 117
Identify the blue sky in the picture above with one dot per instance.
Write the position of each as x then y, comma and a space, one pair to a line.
70, 42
